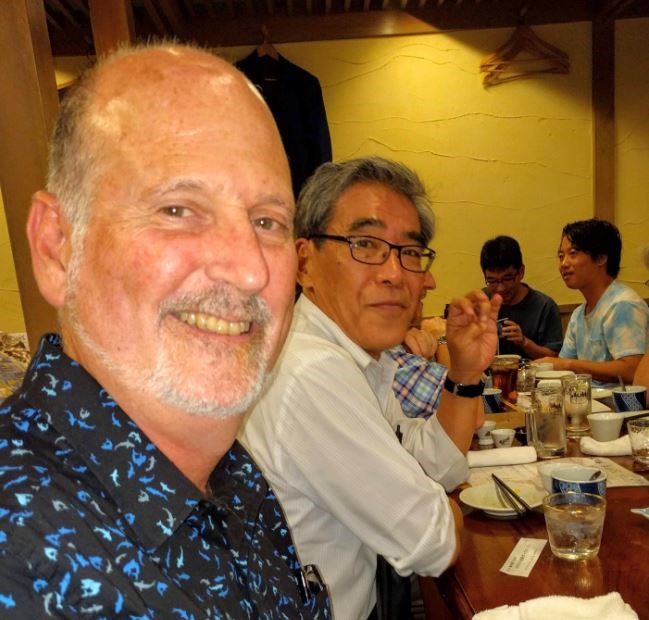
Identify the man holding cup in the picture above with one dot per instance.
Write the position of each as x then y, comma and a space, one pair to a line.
529, 321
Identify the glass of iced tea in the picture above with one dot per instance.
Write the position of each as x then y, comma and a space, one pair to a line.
504, 372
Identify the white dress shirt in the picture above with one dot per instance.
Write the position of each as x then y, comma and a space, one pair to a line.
324, 436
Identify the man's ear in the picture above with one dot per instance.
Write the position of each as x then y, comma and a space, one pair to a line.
304, 249
48, 233
522, 271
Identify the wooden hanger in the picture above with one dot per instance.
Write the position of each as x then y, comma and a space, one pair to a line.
525, 54
266, 48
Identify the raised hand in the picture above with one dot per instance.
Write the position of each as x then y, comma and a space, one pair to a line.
472, 335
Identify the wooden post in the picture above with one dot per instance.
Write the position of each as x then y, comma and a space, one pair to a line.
28, 108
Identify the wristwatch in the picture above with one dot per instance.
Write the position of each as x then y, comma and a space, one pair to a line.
467, 391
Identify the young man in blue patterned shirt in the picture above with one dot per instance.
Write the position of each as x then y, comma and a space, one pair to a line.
608, 334
164, 241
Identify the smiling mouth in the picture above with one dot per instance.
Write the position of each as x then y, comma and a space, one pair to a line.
210, 323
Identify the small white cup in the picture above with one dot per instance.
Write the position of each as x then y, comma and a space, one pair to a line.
503, 437
541, 366
485, 429
605, 426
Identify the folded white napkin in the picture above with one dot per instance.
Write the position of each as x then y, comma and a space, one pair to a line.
501, 456
609, 606
618, 447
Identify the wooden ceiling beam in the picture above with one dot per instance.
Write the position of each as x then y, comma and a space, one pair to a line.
174, 17
335, 26
504, 13
64, 11
80, 6
112, 24
157, 21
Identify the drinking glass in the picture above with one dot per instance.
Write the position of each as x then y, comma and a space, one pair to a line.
526, 378
639, 437
504, 370
577, 403
547, 422
574, 522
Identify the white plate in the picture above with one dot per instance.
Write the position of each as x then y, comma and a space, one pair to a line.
485, 497
599, 393
635, 414
553, 374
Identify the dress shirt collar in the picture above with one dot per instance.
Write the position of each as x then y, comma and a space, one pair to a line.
150, 491
379, 373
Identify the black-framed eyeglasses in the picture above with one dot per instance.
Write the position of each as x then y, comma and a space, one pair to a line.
375, 251
507, 280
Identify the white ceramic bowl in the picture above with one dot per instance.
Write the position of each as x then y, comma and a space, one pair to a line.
579, 479
605, 426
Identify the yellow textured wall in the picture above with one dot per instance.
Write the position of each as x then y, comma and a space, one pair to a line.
11, 313
632, 131
514, 159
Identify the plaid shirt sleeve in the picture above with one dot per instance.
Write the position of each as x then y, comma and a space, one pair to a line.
418, 383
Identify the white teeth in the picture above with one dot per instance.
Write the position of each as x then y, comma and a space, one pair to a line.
210, 323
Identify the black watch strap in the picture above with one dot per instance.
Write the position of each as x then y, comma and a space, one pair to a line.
467, 391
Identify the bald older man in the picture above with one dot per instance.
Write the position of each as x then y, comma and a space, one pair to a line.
164, 241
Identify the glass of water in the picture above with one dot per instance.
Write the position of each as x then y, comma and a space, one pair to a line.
547, 421
574, 522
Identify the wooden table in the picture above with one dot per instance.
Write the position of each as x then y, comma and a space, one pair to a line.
475, 583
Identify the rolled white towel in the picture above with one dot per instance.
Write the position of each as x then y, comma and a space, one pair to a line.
501, 456
618, 447
610, 606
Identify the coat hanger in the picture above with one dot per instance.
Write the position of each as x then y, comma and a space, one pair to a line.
266, 48
523, 55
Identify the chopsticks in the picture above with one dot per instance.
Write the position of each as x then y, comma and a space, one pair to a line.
513, 498
511, 406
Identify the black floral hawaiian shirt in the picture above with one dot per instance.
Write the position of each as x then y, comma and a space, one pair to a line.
95, 522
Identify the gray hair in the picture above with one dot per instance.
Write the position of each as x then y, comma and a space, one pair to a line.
72, 159
315, 203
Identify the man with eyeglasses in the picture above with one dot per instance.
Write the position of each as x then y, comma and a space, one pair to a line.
531, 321
327, 432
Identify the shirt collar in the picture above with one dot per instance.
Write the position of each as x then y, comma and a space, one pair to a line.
150, 491
379, 373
